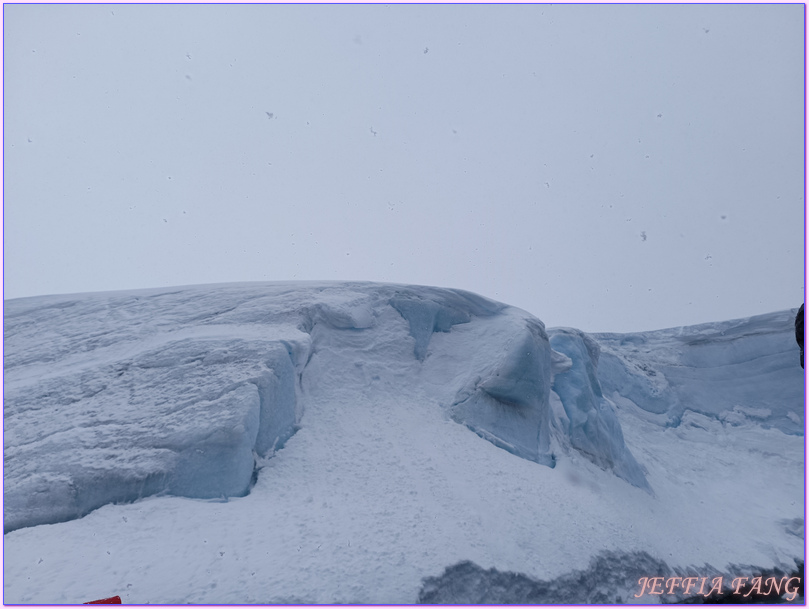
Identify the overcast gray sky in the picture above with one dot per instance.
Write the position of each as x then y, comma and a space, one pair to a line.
612, 168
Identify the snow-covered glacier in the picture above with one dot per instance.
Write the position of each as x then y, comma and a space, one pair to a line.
732, 371
112, 399
379, 433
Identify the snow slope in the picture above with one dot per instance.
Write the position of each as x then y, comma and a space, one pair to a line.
340, 442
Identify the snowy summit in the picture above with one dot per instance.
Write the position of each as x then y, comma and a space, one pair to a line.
374, 443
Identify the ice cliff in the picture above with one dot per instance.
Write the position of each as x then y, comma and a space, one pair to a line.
112, 397
732, 371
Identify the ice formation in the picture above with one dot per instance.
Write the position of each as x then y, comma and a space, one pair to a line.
110, 398
384, 432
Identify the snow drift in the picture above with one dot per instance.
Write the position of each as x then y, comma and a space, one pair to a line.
377, 397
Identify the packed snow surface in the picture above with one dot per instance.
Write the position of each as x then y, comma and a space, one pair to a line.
340, 442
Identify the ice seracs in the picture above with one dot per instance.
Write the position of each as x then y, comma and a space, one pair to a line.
340, 442
737, 370
109, 398
114, 397
506, 399
590, 424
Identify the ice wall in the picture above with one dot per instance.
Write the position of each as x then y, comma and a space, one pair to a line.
739, 371
506, 398
428, 311
186, 418
113, 397
159, 394
591, 424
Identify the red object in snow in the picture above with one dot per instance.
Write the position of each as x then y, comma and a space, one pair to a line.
113, 600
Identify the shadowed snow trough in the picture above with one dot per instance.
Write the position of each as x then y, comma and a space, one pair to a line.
379, 433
